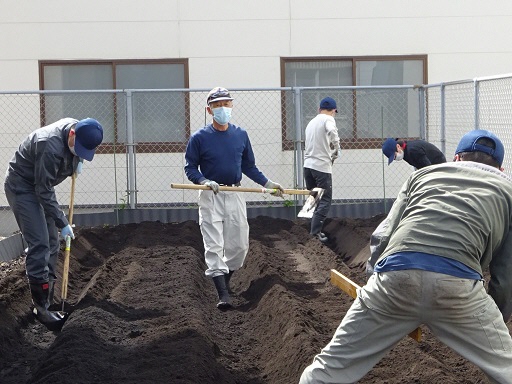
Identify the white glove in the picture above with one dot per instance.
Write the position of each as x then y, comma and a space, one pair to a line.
278, 189
211, 184
335, 154
67, 231
79, 167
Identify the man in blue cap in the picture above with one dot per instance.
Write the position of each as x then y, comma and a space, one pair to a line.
43, 160
321, 149
418, 153
449, 223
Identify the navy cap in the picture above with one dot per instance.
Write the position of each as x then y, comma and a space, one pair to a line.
88, 135
389, 149
468, 144
328, 103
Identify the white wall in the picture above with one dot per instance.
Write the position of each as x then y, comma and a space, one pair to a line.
238, 43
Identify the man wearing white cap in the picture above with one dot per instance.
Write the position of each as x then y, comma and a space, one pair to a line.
43, 160
219, 154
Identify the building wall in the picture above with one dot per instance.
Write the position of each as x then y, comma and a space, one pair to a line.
238, 43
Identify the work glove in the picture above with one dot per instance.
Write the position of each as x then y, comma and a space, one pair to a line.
79, 167
211, 184
278, 189
67, 231
335, 154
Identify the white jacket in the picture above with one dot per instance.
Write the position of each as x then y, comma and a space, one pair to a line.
322, 142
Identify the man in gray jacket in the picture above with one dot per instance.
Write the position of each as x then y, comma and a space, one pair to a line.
321, 149
449, 223
43, 160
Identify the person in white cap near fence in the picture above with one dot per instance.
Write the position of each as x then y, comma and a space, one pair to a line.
219, 154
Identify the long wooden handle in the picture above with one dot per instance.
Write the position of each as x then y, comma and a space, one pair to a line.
241, 189
67, 250
348, 286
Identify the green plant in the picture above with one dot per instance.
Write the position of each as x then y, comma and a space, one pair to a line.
123, 202
288, 203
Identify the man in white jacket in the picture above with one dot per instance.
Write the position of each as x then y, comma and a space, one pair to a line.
322, 148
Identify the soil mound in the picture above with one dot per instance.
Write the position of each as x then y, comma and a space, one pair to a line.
142, 311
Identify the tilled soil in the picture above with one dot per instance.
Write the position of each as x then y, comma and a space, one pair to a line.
142, 311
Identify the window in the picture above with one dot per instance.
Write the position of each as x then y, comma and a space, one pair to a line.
157, 117
364, 116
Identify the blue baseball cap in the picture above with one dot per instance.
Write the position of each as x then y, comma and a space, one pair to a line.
328, 103
468, 144
389, 149
89, 134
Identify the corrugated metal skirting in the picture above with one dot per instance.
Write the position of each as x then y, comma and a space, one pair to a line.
13, 246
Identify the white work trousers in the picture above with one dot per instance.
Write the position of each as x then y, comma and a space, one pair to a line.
225, 230
458, 311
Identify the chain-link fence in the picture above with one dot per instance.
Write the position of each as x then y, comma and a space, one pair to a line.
146, 133
454, 108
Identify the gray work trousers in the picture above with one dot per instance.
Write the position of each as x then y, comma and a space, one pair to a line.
40, 233
317, 179
459, 312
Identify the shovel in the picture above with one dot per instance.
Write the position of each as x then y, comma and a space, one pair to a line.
312, 201
67, 250
307, 210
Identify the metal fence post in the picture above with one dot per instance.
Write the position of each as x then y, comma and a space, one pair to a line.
477, 103
421, 108
130, 153
442, 130
299, 153
384, 202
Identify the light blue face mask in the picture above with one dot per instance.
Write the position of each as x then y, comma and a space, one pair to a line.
222, 115
72, 149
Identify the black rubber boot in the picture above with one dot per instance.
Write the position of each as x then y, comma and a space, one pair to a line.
51, 291
316, 225
222, 290
321, 236
52, 320
227, 277
316, 229
54, 306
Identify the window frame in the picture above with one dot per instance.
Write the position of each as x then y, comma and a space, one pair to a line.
355, 142
109, 148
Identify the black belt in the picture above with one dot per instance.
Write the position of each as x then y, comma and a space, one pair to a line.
230, 185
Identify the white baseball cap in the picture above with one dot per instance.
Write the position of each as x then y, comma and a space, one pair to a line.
218, 94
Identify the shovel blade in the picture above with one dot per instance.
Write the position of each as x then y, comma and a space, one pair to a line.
52, 320
311, 203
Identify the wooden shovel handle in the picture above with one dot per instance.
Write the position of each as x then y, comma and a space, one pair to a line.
241, 189
67, 250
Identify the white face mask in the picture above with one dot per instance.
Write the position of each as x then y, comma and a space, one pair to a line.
399, 156
72, 149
